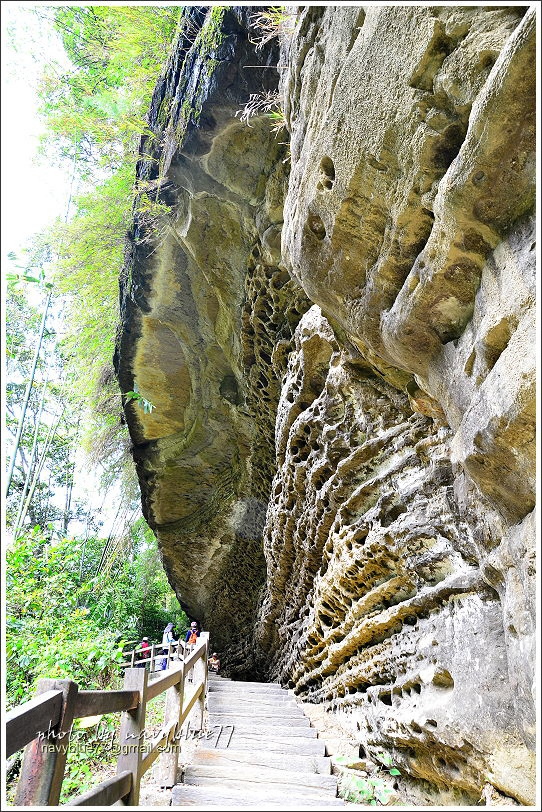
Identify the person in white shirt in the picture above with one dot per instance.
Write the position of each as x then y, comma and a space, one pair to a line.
167, 638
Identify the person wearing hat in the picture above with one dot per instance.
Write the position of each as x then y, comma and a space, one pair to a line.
213, 662
191, 637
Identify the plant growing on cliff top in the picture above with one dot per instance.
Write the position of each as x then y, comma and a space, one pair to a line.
273, 21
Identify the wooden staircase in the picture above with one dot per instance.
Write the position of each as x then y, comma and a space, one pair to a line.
261, 753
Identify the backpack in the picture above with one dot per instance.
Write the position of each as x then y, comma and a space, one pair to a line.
193, 638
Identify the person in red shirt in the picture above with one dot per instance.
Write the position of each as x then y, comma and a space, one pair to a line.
145, 652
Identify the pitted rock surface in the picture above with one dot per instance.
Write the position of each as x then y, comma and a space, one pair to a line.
429, 169
377, 578
338, 337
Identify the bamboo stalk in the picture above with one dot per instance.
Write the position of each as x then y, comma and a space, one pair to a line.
31, 461
35, 480
27, 393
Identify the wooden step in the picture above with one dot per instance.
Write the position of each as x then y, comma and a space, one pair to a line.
258, 720
253, 777
252, 698
256, 709
238, 759
242, 798
224, 682
263, 731
296, 745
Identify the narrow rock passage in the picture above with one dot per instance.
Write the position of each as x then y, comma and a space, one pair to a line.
261, 752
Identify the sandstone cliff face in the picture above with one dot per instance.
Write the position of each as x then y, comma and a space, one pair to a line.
204, 306
338, 337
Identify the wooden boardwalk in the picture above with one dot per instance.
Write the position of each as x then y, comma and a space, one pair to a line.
261, 752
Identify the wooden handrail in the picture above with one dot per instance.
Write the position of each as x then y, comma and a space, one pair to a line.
192, 701
47, 720
27, 721
93, 703
175, 647
161, 684
107, 793
191, 659
167, 731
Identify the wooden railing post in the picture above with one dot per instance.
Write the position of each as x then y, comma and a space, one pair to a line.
173, 711
199, 674
132, 732
169, 654
151, 667
44, 761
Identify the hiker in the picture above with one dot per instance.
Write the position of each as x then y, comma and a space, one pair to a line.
145, 652
167, 638
191, 637
213, 662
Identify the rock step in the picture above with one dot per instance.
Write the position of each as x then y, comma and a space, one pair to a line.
232, 690
239, 759
254, 777
243, 798
260, 752
258, 720
248, 687
296, 745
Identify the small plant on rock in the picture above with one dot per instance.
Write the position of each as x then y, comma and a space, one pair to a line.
136, 395
267, 104
372, 790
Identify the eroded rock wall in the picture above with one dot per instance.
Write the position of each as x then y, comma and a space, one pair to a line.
338, 338
381, 602
400, 533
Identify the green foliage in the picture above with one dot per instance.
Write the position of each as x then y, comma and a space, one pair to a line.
49, 632
90, 251
41, 455
67, 619
22, 319
95, 116
136, 395
371, 790
95, 112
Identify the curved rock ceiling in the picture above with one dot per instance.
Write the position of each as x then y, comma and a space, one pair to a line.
336, 328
